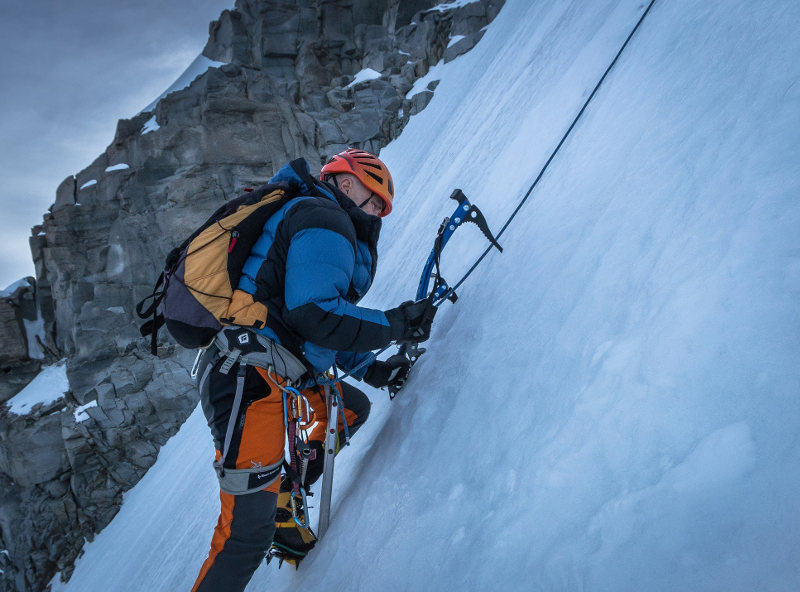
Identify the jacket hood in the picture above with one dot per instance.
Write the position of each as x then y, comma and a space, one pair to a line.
298, 174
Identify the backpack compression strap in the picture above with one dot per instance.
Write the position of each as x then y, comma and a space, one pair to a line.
152, 326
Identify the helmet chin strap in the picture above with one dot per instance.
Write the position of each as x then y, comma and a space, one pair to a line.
363, 203
366, 201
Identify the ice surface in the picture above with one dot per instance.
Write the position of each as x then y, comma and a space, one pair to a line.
455, 39
452, 4
612, 404
364, 75
9, 290
80, 413
421, 84
48, 386
150, 125
34, 329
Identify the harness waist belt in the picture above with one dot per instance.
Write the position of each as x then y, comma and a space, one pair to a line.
237, 345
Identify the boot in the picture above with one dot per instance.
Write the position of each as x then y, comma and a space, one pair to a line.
291, 542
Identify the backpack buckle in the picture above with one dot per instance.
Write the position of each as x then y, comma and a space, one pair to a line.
230, 360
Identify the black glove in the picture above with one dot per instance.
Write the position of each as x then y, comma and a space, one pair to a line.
411, 321
393, 372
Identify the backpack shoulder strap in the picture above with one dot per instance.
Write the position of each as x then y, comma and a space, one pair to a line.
314, 186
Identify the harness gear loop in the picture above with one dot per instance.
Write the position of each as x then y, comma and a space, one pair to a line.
300, 409
297, 416
196, 365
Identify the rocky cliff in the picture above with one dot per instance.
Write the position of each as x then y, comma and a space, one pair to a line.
303, 78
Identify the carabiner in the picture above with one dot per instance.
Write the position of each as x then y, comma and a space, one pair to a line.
305, 507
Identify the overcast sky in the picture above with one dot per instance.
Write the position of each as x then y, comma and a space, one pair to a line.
68, 71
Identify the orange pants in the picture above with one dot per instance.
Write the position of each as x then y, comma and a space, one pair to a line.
255, 438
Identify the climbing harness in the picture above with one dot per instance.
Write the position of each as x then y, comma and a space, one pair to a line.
278, 366
241, 481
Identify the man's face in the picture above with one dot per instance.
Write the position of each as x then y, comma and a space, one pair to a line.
374, 207
369, 202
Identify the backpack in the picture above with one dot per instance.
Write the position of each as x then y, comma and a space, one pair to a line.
196, 295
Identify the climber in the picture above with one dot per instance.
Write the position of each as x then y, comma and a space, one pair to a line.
315, 258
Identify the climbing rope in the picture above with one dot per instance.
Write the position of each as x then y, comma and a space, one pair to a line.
452, 290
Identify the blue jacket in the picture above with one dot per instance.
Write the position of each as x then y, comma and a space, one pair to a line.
315, 259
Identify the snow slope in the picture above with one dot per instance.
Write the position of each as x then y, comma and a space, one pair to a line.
612, 404
48, 386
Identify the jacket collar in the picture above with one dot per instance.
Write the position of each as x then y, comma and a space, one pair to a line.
368, 228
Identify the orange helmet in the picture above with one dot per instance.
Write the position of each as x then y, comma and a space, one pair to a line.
368, 169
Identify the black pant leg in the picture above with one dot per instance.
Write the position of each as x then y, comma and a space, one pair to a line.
357, 402
238, 550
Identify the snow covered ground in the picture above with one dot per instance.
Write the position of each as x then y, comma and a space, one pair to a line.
612, 404
195, 69
48, 386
